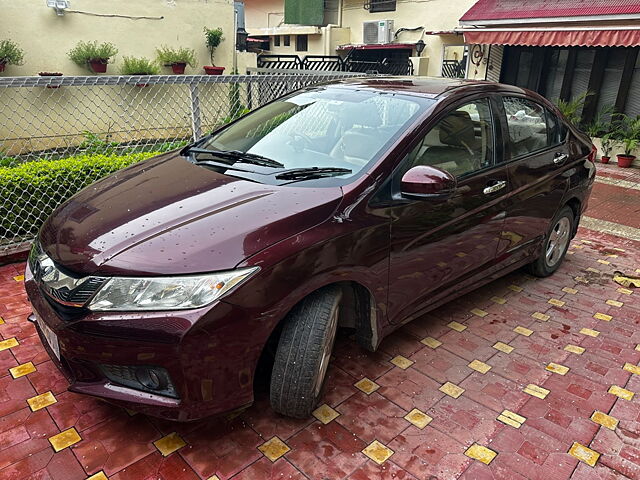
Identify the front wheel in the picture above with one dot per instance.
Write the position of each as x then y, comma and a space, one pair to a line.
555, 244
303, 353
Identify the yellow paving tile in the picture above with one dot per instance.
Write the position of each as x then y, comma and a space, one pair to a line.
367, 386
458, 327
98, 476
593, 270
479, 366
523, 331
637, 349
511, 418
1, 321
556, 302
461, 254
581, 280
402, 362
480, 453
64, 439
499, 300
626, 291
451, 389
589, 332
614, 303
503, 347
540, 316
19, 278
630, 367
557, 368
604, 262
431, 342
8, 343
214, 477
621, 392
22, 370
325, 413
617, 249
588, 242
442, 264
515, 288
602, 316
479, 312
605, 420
570, 290
378, 452
41, 401
536, 391
418, 418
574, 349
273, 449
611, 255
169, 444
584, 454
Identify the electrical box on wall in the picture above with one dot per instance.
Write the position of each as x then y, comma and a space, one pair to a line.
380, 31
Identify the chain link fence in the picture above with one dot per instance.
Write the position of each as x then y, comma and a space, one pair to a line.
59, 134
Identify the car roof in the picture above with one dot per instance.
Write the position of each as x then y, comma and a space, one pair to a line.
431, 87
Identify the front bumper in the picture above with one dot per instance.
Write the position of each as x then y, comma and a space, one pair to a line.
207, 352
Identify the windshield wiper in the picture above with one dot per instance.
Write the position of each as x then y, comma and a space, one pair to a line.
238, 156
311, 172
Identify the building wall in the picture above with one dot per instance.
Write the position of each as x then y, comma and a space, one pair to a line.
263, 13
434, 15
46, 38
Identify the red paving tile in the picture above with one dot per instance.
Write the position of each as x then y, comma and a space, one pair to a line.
122, 446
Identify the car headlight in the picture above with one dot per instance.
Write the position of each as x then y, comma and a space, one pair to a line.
166, 293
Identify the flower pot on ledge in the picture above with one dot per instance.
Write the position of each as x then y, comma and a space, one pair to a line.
178, 68
213, 70
604, 159
98, 65
625, 161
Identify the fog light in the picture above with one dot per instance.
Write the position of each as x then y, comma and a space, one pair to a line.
141, 377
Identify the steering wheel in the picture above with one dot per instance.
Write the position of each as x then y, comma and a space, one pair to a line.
299, 141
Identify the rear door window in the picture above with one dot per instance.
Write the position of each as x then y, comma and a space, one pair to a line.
531, 127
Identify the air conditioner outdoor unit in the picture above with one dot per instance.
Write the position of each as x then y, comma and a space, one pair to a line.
380, 31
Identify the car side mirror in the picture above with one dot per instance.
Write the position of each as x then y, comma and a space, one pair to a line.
427, 183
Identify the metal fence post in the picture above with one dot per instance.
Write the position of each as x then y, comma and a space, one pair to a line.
196, 121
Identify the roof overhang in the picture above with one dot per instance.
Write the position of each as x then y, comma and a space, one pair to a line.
555, 36
377, 46
538, 20
284, 30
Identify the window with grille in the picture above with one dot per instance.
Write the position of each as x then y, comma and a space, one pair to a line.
302, 43
380, 5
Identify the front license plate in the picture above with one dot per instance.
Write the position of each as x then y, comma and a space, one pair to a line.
50, 337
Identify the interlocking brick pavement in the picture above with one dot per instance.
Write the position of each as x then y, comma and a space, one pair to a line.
530, 382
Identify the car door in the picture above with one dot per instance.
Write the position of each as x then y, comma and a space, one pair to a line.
435, 247
536, 156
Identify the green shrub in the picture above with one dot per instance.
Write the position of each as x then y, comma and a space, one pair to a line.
84, 52
170, 56
139, 66
10, 53
32, 190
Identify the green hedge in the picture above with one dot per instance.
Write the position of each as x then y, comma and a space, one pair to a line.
30, 191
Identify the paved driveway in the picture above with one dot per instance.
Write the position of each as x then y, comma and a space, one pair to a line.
524, 378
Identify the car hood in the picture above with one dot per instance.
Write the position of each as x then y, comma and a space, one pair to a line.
168, 216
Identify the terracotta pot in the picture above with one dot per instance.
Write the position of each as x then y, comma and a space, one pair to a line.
213, 70
625, 161
51, 74
2, 65
604, 159
98, 66
178, 68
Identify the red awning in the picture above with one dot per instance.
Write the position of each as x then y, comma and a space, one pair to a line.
555, 38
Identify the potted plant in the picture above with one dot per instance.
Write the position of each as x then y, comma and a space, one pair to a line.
628, 135
139, 66
177, 59
93, 55
607, 141
10, 54
213, 38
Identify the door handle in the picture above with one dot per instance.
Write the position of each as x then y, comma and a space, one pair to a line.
560, 158
495, 187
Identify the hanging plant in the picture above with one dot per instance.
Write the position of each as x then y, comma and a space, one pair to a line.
93, 55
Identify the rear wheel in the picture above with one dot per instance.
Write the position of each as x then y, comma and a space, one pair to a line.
303, 353
555, 244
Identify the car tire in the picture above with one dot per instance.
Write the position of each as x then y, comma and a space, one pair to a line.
303, 353
555, 244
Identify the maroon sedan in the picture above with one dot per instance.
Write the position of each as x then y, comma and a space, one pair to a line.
360, 204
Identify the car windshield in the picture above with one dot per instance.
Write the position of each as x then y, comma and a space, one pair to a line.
323, 128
